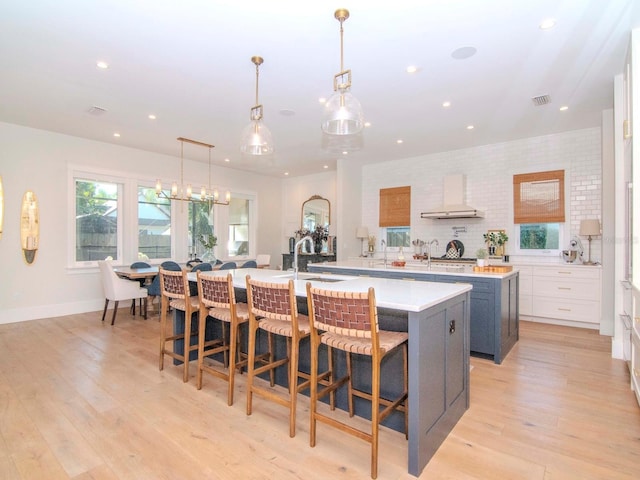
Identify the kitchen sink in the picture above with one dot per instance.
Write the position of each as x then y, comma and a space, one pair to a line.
314, 277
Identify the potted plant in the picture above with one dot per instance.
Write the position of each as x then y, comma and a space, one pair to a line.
481, 255
501, 239
208, 242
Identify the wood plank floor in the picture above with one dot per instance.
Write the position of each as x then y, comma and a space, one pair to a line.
84, 400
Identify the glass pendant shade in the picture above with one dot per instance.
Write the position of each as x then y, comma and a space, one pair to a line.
256, 139
342, 115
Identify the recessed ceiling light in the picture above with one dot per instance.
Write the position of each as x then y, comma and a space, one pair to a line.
102, 65
322, 100
547, 24
446, 104
152, 116
367, 124
286, 173
287, 112
227, 160
399, 141
326, 166
564, 108
470, 127
345, 153
463, 53
412, 69
116, 135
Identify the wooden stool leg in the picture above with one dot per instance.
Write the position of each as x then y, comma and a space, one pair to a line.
314, 393
349, 384
375, 414
233, 344
187, 346
294, 346
253, 327
202, 323
272, 378
163, 329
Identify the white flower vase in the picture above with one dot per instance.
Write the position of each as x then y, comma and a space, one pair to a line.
208, 257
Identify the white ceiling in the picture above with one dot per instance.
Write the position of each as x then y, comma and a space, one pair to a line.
188, 62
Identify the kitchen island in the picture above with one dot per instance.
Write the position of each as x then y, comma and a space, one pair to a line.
436, 315
494, 298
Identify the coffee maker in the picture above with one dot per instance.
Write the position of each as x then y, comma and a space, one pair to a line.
574, 253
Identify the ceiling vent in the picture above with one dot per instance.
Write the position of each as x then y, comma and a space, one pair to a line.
97, 111
541, 100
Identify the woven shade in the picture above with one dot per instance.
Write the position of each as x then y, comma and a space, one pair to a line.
539, 197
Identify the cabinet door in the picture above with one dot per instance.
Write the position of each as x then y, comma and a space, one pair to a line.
482, 323
455, 353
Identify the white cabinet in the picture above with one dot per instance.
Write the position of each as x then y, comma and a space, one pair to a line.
526, 290
561, 294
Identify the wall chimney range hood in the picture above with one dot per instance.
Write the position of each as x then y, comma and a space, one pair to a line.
454, 205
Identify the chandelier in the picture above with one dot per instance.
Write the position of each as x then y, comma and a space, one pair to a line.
342, 112
178, 192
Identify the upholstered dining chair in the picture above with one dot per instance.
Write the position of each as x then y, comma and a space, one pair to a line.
174, 288
228, 266
273, 309
116, 289
141, 281
263, 260
349, 321
250, 264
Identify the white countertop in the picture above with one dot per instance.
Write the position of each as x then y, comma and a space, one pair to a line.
394, 294
437, 268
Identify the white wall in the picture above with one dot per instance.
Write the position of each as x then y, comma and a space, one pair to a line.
38, 160
489, 174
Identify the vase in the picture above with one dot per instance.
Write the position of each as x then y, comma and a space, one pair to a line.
208, 257
317, 246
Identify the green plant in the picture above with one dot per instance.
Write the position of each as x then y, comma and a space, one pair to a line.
481, 253
501, 238
208, 241
490, 238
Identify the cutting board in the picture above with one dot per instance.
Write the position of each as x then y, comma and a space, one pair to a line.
493, 269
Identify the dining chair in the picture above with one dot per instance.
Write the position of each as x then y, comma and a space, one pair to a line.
200, 267
228, 266
141, 281
263, 260
116, 289
174, 287
348, 321
273, 309
218, 302
250, 264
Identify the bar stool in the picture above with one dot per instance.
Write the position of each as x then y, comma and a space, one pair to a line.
174, 289
275, 305
217, 300
349, 321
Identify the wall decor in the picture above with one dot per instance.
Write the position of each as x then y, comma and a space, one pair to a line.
29, 227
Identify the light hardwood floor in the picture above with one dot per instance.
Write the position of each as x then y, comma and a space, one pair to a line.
84, 400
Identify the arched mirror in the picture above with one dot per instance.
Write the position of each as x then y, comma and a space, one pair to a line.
315, 211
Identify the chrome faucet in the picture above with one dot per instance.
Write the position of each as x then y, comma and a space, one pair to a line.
383, 244
435, 240
295, 253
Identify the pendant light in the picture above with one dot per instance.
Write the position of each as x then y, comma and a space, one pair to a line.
342, 112
256, 137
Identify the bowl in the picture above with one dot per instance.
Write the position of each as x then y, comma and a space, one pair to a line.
398, 263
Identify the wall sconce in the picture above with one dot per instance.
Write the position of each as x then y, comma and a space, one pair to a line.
29, 227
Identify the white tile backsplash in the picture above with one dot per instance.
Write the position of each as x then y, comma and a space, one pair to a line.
489, 174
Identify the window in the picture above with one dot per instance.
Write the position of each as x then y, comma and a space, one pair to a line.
238, 242
398, 236
97, 223
538, 206
154, 225
200, 223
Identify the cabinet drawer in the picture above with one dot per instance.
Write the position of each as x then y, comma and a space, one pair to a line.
567, 272
566, 288
567, 309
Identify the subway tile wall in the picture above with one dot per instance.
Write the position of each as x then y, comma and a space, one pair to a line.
489, 174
